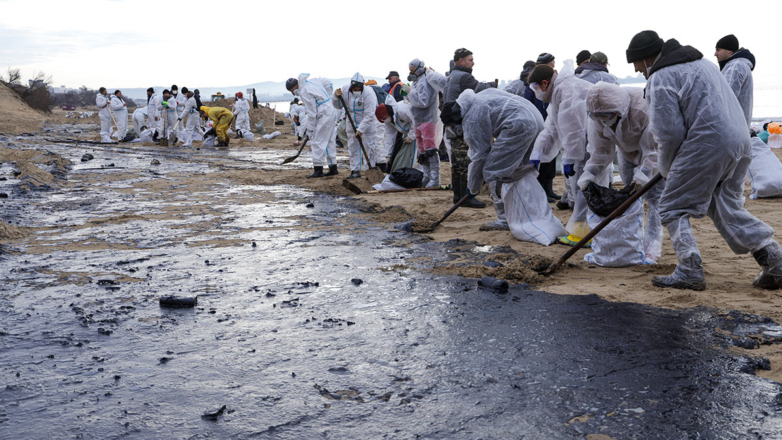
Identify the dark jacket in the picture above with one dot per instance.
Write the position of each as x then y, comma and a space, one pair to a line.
397, 91
674, 53
460, 80
742, 53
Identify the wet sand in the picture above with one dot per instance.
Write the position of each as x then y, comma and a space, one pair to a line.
96, 243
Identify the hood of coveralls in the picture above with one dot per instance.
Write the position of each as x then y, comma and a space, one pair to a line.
605, 97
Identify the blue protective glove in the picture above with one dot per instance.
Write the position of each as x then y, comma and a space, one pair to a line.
535, 163
568, 170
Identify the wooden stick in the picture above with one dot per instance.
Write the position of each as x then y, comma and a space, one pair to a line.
617, 212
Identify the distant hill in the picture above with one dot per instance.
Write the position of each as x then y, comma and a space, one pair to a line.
266, 91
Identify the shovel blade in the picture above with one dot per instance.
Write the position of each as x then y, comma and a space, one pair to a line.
290, 159
351, 187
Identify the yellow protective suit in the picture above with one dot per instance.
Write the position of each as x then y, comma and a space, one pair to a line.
221, 117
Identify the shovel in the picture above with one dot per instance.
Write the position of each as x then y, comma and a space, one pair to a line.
360, 142
292, 158
445, 216
617, 212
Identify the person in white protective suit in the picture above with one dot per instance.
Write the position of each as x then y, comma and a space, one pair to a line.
152, 110
299, 117
424, 102
703, 152
167, 114
139, 119
619, 120
192, 126
566, 129
242, 115
737, 64
180, 99
501, 129
361, 103
321, 120
399, 133
596, 70
120, 111
104, 113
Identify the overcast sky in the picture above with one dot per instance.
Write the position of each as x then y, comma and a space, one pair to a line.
140, 43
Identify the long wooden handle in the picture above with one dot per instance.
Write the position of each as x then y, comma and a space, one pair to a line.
617, 212
355, 128
384, 191
450, 211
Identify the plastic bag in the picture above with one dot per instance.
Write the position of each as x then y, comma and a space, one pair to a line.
603, 201
387, 184
407, 177
528, 213
765, 171
210, 141
272, 136
248, 135
259, 128
621, 242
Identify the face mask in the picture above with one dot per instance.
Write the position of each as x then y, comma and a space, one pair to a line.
412, 77
174, 92
296, 92
540, 94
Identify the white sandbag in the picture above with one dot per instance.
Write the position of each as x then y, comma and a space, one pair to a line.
247, 134
529, 215
210, 141
387, 184
621, 243
765, 171
146, 135
229, 131
272, 135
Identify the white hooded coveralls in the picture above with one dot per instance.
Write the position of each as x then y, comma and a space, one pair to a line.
320, 122
361, 106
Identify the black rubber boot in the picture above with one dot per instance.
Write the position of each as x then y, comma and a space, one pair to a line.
238, 134
549, 187
221, 144
770, 260
383, 167
562, 205
332, 171
354, 175
469, 203
456, 187
318, 173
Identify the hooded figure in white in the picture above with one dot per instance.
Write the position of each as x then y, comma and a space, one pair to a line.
361, 105
566, 130
704, 152
620, 121
120, 110
242, 115
424, 102
501, 129
139, 120
192, 129
167, 115
102, 101
319, 122
396, 118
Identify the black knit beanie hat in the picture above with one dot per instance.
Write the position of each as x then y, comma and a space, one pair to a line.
644, 45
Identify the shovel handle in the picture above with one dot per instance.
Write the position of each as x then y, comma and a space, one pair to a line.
617, 212
449, 212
